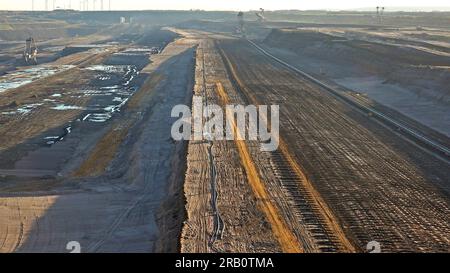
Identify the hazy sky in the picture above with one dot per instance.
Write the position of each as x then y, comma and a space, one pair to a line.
226, 4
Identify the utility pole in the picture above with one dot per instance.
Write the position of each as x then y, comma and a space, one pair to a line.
32, 5
378, 14
241, 23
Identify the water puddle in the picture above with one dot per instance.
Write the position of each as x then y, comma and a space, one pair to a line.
110, 89
106, 100
139, 51
109, 98
51, 140
63, 107
109, 68
24, 109
97, 117
21, 77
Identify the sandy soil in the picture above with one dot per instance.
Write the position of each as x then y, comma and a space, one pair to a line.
116, 207
377, 185
86, 154
223, 214
388, 67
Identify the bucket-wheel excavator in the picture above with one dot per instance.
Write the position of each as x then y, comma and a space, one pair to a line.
30, 53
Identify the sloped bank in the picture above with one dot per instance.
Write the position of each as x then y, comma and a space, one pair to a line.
411, 80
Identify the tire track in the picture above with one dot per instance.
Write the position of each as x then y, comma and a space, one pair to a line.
286, 238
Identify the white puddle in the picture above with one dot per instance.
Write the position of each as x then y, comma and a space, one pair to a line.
106, 100
23, 110
110, 87
115, 95
63, 107
106, 113
105, 78
135, 53
99, 117
50, 140
19, 78
52, 137
109, 68
103, 92
139, 51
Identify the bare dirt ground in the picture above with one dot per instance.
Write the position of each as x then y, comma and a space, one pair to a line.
380, 179
237, 207
223, 214
405, 69
86, 152
64, 177
337, 169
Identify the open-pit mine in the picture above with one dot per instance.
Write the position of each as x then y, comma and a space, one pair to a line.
88, 158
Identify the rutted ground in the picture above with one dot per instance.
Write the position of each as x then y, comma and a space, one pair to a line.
406, 69
236, 201
86, 155
379, 187
223, 213
339, 181
118, 188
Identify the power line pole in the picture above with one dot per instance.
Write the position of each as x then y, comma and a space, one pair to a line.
381, 15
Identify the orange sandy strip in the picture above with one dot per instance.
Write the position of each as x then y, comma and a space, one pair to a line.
287, 240
326, 212
324, 209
